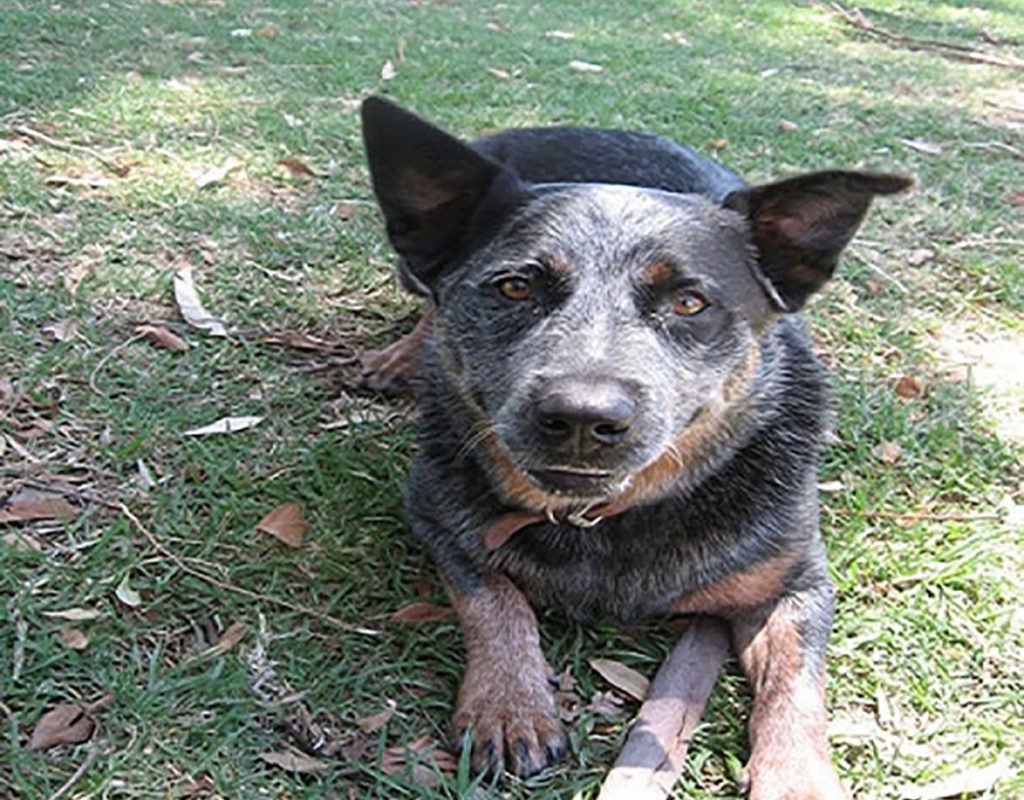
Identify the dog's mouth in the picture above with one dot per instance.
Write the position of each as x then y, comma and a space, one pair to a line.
575, 481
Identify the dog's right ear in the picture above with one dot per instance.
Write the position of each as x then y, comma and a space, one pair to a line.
428, 183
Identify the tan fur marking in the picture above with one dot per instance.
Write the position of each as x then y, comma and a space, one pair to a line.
751, 587
505, 697
788, 727
657, 273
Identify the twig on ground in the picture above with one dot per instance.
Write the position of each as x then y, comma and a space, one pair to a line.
230, 587
957, 52
914, 516
103, 361
68, 147
77, 775
651, 761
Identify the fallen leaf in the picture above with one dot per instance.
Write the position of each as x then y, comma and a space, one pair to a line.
928, 148
375, 722
190, 307
919, 256
620, 676
503, 74
41, 507
676, 37
233, 634
74, 638
217, 174
605, 704
396, 759
420, 612
344, 210
241, 33
126, 594
585, 66
387, 72
1016, 198
787, 126
719, 144
285, 523
889, 452
294, 761
225, 425
65, 724
22, 542
908, 387
971, 781
75, 275
267, 31
560, 35
830, 487
68, 723
296, 167
63, 331
163, 337
74, 614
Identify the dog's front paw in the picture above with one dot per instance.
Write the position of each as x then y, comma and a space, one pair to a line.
511, 720
809, 777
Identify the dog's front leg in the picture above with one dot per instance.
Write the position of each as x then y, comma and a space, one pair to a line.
505, 700
781, 646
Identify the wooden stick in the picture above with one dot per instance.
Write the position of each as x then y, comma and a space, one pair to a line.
651, 761
69, 147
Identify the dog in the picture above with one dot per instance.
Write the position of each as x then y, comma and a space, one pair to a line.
620, 411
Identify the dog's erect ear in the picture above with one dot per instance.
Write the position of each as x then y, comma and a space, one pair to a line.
801, 225
428, 184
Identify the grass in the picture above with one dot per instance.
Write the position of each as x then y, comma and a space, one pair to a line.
925, 678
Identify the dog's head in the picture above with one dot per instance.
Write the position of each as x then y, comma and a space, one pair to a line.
597, 333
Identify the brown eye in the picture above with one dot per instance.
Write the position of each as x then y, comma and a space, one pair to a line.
689, 303
516, 289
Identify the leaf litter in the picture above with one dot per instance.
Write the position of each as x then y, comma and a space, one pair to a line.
191, 307
285, 523
625, 679
67, 723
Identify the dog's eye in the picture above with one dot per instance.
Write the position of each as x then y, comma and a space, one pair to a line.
689, 303
515, 288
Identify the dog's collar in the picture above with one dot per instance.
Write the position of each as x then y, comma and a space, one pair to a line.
507, 525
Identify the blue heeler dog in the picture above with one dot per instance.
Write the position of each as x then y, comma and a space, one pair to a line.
621, 414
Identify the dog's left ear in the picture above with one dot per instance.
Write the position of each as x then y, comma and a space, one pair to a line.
801, 225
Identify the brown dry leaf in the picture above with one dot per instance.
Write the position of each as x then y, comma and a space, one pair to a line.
74, 638
267, 31
375, 722
285, 523
22, 542
233, 634
297, 167
191, 308
68, 723
908, 387
971, 781
420, 612
344, 210
497, 72
41, 507
787, 126
63, 331
294, 761
620, 676
163, 337
919, 256
889, 452
1016, 198
387, 72
719, 144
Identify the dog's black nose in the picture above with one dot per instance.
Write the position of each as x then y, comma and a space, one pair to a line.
591, 412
